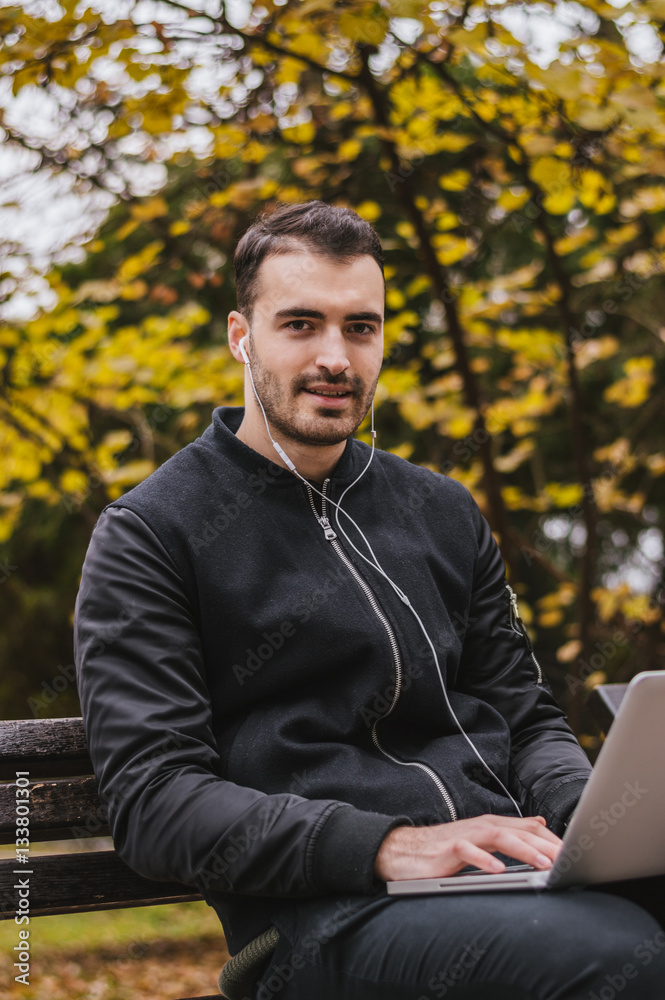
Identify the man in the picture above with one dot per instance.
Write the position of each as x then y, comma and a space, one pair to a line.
318, 684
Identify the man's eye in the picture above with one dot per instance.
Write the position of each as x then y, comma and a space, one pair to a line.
366, 328
298, 324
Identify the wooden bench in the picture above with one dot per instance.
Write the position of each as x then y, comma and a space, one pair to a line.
64, 805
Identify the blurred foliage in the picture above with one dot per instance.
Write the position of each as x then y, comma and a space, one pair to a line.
131, 954
521, 206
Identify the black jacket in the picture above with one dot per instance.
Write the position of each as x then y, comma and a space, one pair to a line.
262, 708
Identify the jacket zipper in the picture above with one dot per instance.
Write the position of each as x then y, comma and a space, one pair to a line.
517, 625
331, 537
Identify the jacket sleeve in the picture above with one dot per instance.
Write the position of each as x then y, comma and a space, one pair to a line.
148, 721
548, 766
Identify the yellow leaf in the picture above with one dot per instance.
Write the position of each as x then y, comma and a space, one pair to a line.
144, 211
456, 180
594, 679
465, 38
605, 204
446, 220
229, 140
519, 454
461, 426
573, 242
395, 298
569, 651
302, 134
349, 149
74, 481
453, 142
405, 230
515, 499
639, 607
140, 262
632, 390
450, 249
564, 82
595, 349
403, 450
564, 495
551, 174
559, 204
549, 619
513, 198
289, 70
419, 284
592, 116
656, 464
134, 290
366, 26
341, 109
127, 229
129, 474
369, 210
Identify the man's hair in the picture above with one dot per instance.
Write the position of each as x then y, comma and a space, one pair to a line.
314, 227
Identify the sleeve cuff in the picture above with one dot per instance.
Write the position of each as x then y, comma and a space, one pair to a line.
562, 802
346, 850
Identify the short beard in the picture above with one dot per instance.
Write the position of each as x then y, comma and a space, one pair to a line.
331, 433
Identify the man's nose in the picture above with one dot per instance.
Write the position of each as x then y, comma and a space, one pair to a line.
332, 352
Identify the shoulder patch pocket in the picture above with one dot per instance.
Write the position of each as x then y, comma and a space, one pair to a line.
518, 626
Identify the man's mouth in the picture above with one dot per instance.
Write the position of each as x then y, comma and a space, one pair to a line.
332, 393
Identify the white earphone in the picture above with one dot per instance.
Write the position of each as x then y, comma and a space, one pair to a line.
241, 347
373, 562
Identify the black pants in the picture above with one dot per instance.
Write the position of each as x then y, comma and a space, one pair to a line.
576, 944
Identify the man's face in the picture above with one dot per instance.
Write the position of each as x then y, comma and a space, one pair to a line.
316, 344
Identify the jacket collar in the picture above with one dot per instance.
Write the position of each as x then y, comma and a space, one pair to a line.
221, 434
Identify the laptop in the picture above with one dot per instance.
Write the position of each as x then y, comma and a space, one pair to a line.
616, 830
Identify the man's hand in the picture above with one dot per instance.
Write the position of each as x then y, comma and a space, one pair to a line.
436, 851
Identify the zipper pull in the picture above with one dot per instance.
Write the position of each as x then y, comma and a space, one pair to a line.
519, 625
513, 602
327, 529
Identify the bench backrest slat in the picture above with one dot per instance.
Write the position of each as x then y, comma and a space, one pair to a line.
67, 808
97, 880
64, 805
47, 748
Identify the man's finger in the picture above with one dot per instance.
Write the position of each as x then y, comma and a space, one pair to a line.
536, 824
539, 854
468, 853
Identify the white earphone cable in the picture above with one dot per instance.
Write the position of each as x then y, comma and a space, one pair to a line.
375, 564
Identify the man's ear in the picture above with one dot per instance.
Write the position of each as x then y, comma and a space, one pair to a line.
238, 327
